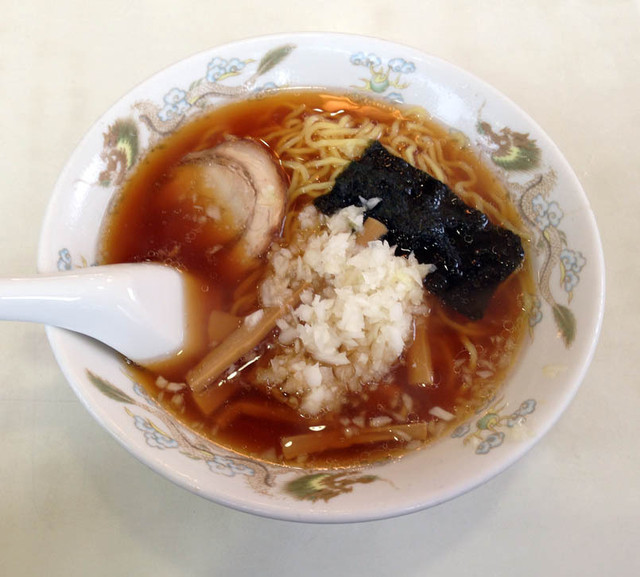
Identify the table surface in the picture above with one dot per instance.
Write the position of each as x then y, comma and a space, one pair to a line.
73, 502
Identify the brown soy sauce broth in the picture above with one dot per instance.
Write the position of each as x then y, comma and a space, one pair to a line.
145, 225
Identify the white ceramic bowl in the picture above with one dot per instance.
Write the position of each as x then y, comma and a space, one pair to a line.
568, 261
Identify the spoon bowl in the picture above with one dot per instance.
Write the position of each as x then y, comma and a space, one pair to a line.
140, 310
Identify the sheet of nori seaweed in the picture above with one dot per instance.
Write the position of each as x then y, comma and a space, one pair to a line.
472, 255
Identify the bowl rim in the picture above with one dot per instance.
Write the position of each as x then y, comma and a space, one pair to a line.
279, 509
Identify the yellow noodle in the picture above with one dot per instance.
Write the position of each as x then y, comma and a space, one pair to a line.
298, 168
333, 161
315, 187
471, 175
473, 352
469, 329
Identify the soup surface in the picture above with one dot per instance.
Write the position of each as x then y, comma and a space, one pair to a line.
313, 136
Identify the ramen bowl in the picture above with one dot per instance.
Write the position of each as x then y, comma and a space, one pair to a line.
564, 318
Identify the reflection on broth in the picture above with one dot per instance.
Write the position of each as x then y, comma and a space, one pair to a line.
326, 349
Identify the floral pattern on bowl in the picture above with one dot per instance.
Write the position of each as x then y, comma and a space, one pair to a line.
567, 256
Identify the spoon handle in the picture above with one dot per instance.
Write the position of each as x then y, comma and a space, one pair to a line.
137, 309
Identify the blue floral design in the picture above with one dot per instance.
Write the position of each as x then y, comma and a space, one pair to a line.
570, 281
215, 69
266, 86
362, 59
220, 68
175, 104
229, 467
141, 392
402, 66
64, 260
573, 262
491, 442
461, 431
395, 97
526, 407
518, 416
546, 213
535, 311
153, 436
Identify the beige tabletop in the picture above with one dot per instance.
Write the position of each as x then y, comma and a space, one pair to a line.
74, 502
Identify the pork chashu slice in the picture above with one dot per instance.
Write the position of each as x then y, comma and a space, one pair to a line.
243, 188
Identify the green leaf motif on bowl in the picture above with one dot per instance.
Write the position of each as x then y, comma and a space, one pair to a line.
325, 486
120, 150
516, 154
544, 217
179, 103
